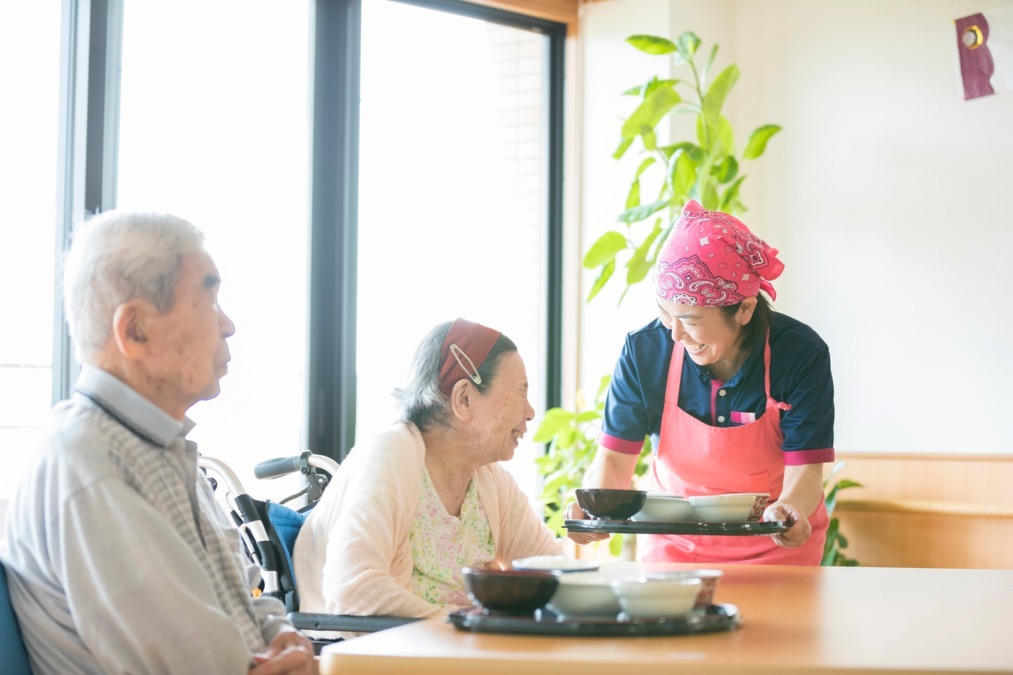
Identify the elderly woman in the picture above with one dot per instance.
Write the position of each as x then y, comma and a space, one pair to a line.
736, 397
409, 509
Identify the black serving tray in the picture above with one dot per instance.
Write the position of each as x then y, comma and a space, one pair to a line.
643, 527
717, 617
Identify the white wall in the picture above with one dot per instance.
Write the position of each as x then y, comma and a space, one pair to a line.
887, 193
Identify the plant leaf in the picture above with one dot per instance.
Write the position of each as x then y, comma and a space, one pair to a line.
707, 66
687, 45
644, 165
709, 195
651, 44
649, 138
830, 502
649, 86
639, 264
603, 277
692, 149
605, 249
566, 437
624, 145
555, 420
730, 196
725, 136
725, 169
633, 197
714, 99
684, 176
757, 142
650, 111
635, 215
616, 545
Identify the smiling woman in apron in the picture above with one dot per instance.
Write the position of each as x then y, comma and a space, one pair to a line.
736, 397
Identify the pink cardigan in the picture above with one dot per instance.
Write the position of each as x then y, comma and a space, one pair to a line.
353, 554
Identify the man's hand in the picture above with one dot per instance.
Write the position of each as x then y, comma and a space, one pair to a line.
290, 653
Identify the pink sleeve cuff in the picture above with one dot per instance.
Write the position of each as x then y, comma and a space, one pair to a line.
800, 457
620, 445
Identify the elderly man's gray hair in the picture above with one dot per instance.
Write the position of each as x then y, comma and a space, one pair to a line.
116, 257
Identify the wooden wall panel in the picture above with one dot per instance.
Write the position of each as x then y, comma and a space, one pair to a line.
928, 510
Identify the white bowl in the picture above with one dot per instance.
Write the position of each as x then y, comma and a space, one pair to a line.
585, 595
731, 508
666, 509
709, 579
648, 598
554, 563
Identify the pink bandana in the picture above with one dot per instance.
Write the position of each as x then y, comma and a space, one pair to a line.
464, 351
711, 259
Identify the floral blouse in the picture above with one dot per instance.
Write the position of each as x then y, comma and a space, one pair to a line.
442, 544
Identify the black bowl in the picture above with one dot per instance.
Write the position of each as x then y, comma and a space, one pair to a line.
611, 504
509, 591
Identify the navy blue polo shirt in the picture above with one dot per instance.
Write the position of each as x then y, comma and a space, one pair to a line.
799, 375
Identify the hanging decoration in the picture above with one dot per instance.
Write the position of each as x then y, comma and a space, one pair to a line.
985, 47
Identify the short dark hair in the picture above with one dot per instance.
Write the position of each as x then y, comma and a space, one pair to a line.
758, 326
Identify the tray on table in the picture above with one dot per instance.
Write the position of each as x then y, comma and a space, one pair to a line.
717, 617
648, 527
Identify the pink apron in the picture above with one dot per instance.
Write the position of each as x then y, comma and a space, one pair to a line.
695, 458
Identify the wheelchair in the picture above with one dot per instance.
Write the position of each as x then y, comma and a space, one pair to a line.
269, 529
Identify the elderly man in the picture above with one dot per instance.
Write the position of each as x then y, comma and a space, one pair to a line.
118, 558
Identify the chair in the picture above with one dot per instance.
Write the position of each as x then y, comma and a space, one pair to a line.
13, 655
269, 530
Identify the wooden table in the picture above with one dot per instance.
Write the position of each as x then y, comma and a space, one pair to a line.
805, 620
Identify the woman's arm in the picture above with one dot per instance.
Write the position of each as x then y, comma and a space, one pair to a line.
800, 496
610, 469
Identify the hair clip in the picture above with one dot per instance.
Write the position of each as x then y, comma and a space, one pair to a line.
458, 353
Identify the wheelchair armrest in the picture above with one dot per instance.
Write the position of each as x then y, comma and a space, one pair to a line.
346, 622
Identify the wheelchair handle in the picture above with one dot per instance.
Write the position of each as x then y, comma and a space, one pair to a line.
281, 466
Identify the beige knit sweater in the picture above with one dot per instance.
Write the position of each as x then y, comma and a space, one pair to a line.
353, 554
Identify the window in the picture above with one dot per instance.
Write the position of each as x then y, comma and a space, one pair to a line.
453, 176
29, 76
214, 128
243, 116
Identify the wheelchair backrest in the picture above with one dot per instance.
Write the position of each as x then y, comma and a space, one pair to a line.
13, 655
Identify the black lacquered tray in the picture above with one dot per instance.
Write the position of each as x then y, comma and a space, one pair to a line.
717, 617
643, 527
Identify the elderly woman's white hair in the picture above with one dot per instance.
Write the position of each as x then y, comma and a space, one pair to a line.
119, 256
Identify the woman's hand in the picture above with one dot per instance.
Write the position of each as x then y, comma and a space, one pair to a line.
290, 653
798, 530
574, 512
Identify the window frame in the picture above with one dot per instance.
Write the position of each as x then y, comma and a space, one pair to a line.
92, 33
